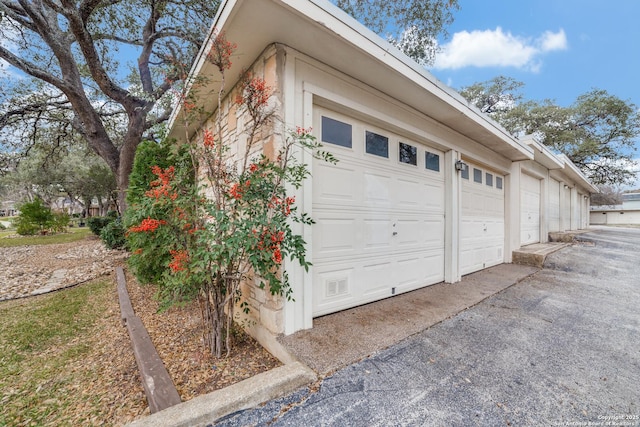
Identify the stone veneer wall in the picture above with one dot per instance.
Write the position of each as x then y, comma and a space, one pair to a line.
266, 310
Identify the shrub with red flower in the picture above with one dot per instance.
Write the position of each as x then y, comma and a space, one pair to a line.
233, 223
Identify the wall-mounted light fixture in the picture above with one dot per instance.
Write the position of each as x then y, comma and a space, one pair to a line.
566, 186
461, 166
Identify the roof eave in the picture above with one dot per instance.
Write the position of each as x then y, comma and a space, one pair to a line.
324, 32
572, 171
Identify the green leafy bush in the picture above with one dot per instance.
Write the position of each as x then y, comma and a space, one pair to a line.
60, 222
113, 234
34, 218
27, 228
149, 265
97, 223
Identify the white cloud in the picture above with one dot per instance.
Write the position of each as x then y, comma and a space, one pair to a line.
496, 48
553, 41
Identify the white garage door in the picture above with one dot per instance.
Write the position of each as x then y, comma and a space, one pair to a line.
379, 215
482, 220
567, 208
554, 205
529, 210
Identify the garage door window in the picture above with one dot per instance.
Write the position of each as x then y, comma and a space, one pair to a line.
408, 154
336, 132
464, 173
499, 183
377, 145
477, 175
489, 179
432, 161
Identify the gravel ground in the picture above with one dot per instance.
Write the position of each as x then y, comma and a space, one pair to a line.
33, 270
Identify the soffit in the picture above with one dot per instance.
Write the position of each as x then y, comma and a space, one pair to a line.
325, 33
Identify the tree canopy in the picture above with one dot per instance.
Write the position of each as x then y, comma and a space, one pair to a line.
104, 71
597, 132
99, 69
411, 25
72, 172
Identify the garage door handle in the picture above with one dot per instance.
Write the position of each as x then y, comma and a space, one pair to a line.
395, 233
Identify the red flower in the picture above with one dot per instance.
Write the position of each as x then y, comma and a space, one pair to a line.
178, 261
255, 94
300, 131
147, 225
277, 255
286, 207
236, 191
161, 186
277, 237
188, 105
208, 138
220, 52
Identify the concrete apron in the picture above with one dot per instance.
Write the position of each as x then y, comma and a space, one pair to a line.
340, 339
343, 338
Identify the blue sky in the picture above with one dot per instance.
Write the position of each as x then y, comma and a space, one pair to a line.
560, 49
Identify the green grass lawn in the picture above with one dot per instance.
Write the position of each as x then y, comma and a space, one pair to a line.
73, 235
42, 342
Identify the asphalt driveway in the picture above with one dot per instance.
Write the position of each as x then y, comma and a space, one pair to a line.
559, 348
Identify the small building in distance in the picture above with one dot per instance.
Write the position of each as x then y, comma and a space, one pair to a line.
628, 213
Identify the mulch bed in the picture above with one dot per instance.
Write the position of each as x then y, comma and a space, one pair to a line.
177, 334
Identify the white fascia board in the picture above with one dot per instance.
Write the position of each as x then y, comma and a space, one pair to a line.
542, 154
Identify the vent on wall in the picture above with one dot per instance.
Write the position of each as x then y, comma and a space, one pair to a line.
336, 287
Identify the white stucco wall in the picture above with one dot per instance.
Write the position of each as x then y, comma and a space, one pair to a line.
615, 217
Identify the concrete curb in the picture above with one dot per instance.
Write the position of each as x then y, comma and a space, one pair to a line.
205, 409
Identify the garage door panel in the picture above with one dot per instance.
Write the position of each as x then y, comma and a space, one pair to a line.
410, 273
471, 257
554, 205
379, 224
377, 235
335, 237
376, 278
482, 225
340, 285
408, 194
494, 205
333, 287
434, 202
377, 189
331, 188
529, 210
